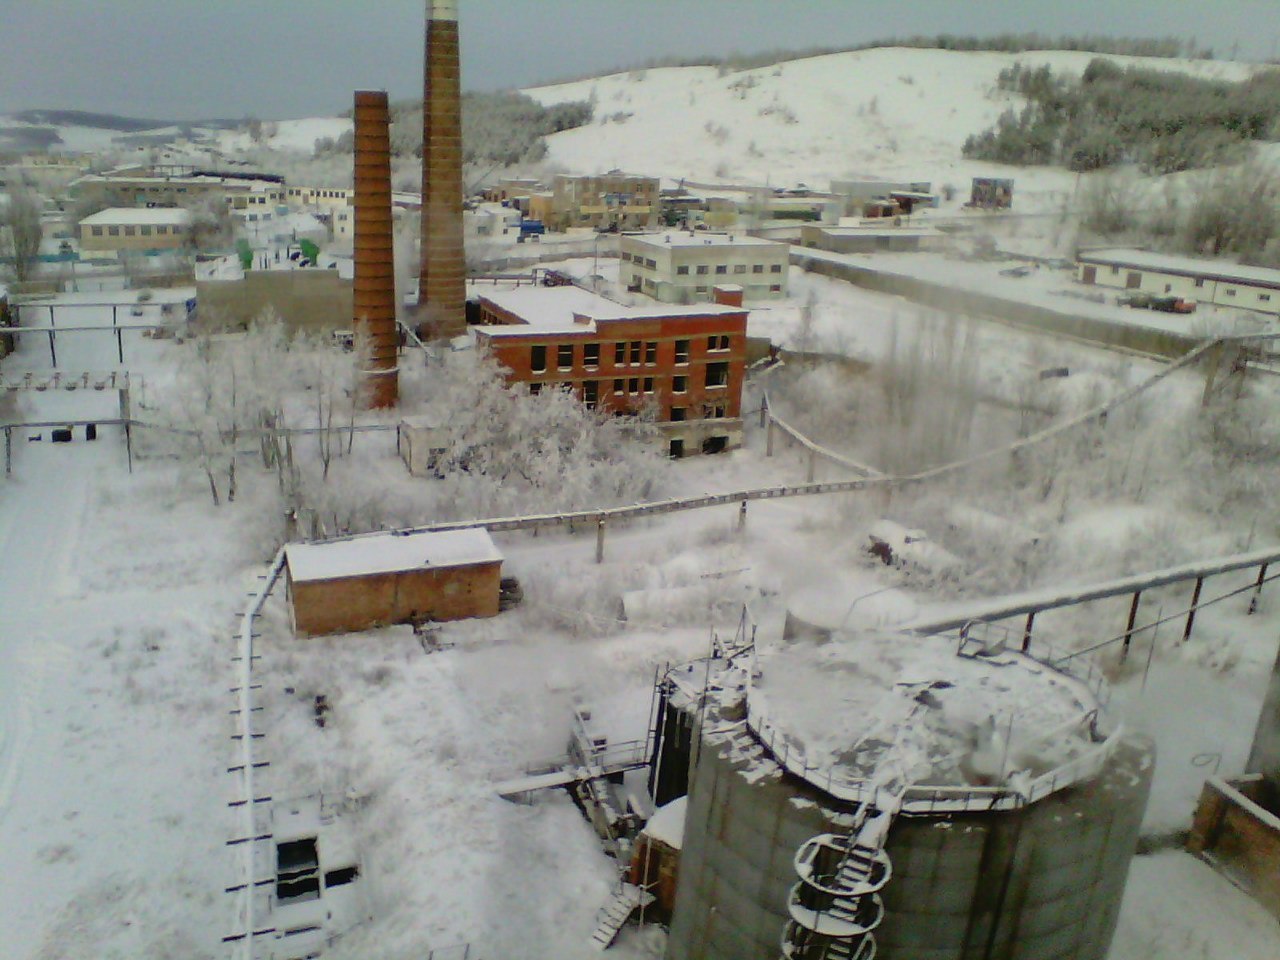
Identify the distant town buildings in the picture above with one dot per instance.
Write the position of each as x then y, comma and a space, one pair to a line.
1213, 282
611, 201
684, 266
252, 197
683, 365
135, 230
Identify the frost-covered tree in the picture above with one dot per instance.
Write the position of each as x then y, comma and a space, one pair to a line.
508, 450
22, 218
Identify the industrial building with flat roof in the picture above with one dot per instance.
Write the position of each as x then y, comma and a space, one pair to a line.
1215, 282
134, 229
684, 266
342, 586
686, 363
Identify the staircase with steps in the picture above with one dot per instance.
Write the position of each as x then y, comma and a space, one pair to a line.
626, 900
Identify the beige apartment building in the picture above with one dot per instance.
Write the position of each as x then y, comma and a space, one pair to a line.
614, 200
684, 266
134, 229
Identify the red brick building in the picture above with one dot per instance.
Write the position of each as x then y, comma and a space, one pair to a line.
345, 586
686, 363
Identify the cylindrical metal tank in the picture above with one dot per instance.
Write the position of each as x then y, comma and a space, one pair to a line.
1041, 881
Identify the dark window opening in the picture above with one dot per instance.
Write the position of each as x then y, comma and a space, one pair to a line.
341, 876
717, 374
682, 351
650, 353
676, 450
715, 444
537, 359
677, 414
635, 352
619, 353
297, 871
591, 355
564, 356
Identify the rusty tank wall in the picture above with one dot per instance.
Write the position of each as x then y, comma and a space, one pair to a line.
374, 289
442, 277
1044, 883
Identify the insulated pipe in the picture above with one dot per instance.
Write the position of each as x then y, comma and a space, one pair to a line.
374, 294
441, 282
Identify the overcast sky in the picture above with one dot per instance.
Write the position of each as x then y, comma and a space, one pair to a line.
187, 59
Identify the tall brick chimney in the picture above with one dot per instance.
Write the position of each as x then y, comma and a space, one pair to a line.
441, 284
374, 293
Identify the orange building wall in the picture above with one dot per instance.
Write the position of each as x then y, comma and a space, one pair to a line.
358, 603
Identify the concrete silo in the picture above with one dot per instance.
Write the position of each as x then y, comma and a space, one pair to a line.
869, 795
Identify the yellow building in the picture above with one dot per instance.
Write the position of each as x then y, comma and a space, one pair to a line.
614, 200
134, 229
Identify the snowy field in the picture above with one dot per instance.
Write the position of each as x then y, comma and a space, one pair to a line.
116, 638
890, 112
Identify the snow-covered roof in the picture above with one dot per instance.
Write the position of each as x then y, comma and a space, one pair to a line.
117, 216
880, 231
1183, 266
864, 702
554, 309
667, 823
390, 553
699, 238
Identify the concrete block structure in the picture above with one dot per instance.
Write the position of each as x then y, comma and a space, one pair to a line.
1216, 282
134, 230
684, 364
844, 800
871, 239
1237, 827
311, 300
610, 201
344, 586
684, 266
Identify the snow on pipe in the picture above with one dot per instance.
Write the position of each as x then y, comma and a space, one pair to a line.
247, 826
374, 293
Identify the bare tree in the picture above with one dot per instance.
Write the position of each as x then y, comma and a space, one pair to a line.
25, 230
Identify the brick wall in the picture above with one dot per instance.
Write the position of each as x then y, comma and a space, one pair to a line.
358, 603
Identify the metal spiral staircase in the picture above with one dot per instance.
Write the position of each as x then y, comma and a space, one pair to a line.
835, 907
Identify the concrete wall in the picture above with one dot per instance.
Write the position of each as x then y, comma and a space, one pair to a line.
1042, 884
1159, 343
312, 300
358, 603
1236, 824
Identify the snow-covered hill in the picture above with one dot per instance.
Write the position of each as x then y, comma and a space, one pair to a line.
890, 112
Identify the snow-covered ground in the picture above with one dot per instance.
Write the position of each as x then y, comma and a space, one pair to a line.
115, 652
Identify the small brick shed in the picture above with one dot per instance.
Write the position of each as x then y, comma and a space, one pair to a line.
348, 585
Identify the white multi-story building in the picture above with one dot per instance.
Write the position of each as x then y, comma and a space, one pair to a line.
679, 266
1215, 282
